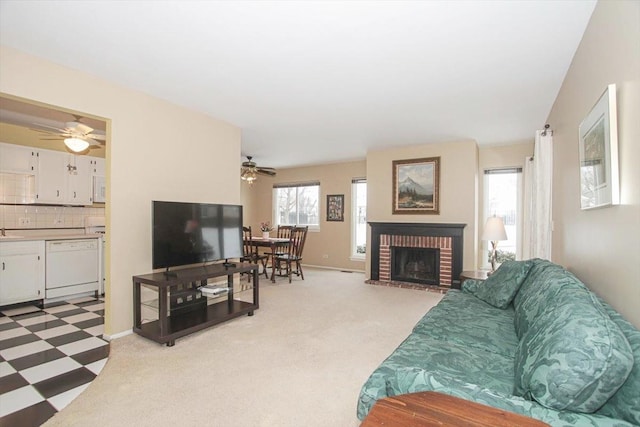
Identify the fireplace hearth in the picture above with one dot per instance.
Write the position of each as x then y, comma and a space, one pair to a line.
445, 239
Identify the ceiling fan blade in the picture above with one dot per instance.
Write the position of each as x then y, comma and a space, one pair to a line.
48, 132
78, 127
266, 171
41, 125
251, 167
98, 137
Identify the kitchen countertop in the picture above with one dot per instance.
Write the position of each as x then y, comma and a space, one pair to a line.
19, 238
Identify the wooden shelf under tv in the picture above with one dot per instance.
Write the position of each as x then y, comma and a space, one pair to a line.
173, 324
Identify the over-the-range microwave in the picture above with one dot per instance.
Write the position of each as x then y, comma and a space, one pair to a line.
99, 189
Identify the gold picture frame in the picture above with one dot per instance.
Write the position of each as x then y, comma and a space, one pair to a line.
416, 186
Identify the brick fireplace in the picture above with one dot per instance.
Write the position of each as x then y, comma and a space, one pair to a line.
424, 254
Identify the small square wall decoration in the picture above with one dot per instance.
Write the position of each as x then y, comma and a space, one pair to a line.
335, 207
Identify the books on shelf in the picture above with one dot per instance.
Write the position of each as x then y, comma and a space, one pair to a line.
213, 290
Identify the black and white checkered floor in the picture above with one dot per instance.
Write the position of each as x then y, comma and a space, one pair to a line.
48, 357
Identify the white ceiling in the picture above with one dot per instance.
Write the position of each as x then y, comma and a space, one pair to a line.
316, 82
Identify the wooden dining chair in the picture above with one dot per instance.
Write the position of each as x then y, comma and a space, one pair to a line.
293, 257
283, 232
250, 252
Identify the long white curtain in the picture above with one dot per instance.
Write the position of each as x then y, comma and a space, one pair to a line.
538, 176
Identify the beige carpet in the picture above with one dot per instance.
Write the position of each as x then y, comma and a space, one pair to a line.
299, 361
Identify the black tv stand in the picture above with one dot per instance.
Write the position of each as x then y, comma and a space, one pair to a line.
167, 328
168, 273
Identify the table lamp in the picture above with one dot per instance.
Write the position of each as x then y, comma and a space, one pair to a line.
494, 232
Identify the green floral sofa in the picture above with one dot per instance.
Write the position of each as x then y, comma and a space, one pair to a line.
532, 339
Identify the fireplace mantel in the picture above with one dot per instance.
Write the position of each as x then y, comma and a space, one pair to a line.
454, 231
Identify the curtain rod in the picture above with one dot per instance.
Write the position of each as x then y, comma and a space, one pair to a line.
543, 133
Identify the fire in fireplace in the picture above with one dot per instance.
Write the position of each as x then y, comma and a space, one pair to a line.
417, 265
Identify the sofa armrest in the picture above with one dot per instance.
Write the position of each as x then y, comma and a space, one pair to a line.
470, 286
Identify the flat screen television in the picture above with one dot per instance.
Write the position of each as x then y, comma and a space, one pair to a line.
192, 233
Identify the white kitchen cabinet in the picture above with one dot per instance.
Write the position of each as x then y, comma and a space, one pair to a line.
79, 180
51, 180
98, 166
63, 178
22, 271
17, 159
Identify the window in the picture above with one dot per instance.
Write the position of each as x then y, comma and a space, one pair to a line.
503, 198
297, 204
358, 218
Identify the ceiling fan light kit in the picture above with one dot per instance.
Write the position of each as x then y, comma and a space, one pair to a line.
249, 176
250, 171
78, 137
76, 144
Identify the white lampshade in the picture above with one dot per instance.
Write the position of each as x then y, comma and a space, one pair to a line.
76, 144
494, 229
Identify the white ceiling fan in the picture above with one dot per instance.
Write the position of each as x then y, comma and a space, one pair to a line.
250, 171
77, 136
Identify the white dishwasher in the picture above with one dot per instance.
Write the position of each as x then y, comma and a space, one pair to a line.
71, 267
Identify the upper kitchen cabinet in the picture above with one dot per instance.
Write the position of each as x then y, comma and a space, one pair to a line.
63, 178
51, 180
36, 163
79, 184
17, 159
98, 166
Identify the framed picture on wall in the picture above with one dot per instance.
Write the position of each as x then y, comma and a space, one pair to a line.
335, 207
416, 186
599, 185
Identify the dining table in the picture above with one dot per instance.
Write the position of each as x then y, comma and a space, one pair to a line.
274, 243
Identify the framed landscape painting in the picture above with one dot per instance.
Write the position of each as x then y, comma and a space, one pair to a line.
335, 207
416, 186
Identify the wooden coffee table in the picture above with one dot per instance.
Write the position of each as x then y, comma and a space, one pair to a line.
430, 408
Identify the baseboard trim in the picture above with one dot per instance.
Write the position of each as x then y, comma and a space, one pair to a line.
118, 335
324, 267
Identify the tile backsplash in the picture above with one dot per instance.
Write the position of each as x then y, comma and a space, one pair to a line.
17, 188
34, 217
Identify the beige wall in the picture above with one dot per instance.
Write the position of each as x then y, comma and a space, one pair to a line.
601, 246
492, 157
150, 156
334, 238
335, 179
458, 189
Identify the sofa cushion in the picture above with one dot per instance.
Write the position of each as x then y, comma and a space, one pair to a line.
625, 404
544, 281
461, 362
500, 288
573, 356
463, 319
